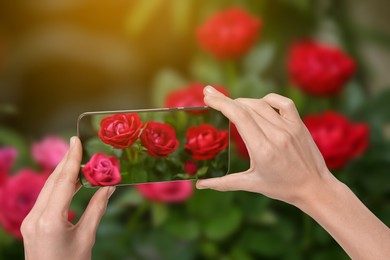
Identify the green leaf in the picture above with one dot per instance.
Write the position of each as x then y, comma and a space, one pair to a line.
183, 228
209, 250
353, 98
259, 59
261, 242
166, 81
206, 203
138, 175
202, 171
159, 213
95, 145
95, 121
223, 223
207, 70
252, 86
129, 197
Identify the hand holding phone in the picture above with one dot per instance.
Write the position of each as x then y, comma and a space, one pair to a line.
153, 145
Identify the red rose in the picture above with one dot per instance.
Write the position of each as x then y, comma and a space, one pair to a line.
338, 139
7, 159
17, 197
190, 167
120, 130
205, 141
102, 170
229, 34
240, 145
159, 139
166, 191
319, 69
191, 96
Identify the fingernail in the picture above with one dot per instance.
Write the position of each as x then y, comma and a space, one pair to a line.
72, 142
110, 191
209, 90
200, 186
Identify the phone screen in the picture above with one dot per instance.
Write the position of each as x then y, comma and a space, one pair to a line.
153, 145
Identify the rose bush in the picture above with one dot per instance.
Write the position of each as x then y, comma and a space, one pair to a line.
166, 191
102, 170
49, 151
7, 159
319, 69
120, 130
190, 96
204, 142
338, 139
229, 33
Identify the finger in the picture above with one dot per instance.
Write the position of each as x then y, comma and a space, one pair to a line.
96, 208
285, 106
263, 109
65, 181
230, 182
46, 191
235, 112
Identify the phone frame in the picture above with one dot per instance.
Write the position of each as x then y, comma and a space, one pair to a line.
81, 116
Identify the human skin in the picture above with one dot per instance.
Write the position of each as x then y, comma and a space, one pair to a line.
285, 164
47, 233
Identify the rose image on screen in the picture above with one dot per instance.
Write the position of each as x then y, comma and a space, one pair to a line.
205, 142
159, 139
120, 130
102, 170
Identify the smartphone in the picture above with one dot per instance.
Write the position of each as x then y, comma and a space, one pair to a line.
153, 145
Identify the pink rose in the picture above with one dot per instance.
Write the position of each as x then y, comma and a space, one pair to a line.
7, 159
17, 197
166, 191
102, 170
49, 152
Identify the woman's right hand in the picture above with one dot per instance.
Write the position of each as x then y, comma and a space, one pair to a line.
285, 162
287, 165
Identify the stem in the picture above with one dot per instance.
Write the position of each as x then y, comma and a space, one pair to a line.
231, 77
129, 156
132, 154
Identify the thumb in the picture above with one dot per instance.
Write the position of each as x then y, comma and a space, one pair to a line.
230, 182
90, 220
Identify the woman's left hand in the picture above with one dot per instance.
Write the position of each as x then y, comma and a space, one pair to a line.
47, 233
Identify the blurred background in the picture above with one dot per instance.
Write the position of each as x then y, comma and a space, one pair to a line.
61, 58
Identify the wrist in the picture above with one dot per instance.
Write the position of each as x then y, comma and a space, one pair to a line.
320, 192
